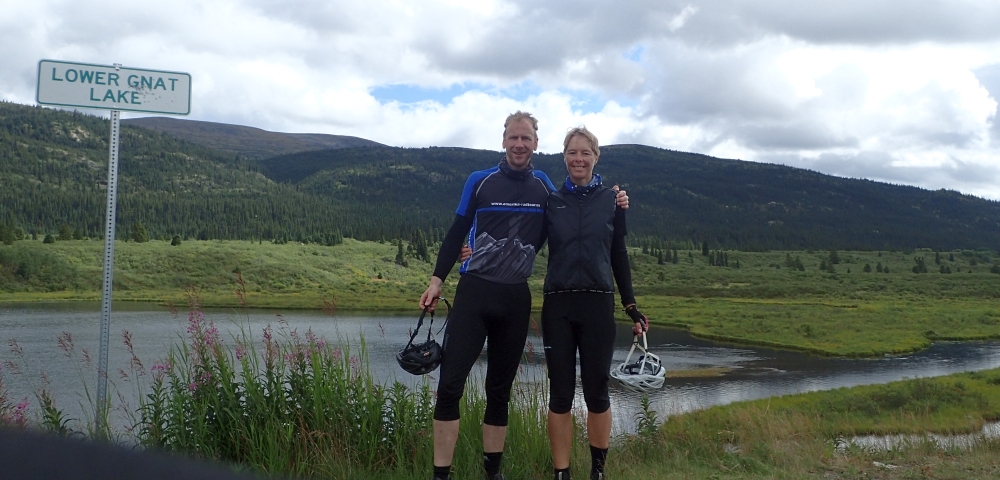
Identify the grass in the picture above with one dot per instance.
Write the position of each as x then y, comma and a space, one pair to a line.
767, 301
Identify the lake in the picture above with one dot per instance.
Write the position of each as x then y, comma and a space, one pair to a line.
750, 372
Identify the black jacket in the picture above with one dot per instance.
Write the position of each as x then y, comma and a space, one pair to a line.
586, 235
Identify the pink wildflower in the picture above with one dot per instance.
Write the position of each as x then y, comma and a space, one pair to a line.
241, 352
212, 336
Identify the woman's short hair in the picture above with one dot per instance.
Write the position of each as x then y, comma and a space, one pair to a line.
583, 132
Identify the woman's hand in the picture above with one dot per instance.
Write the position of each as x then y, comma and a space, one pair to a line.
641, 322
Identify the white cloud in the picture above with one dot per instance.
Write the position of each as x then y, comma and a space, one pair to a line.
900, 91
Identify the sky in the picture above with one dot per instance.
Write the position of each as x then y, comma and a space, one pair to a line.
899, 91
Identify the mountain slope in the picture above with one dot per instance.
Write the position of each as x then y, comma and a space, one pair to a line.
53, 169
675, 195
53, 172
249, 142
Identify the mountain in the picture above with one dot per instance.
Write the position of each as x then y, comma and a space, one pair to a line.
678, 196
249, 142
53, 169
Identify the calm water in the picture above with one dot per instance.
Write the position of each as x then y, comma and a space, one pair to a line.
755, 372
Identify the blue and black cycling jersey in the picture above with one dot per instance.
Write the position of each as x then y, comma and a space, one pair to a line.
502, 216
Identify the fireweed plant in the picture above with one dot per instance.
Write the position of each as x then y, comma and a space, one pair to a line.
290, 403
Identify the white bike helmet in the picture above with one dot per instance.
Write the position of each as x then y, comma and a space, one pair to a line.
645, 374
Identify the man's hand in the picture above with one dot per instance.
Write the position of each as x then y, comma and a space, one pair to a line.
466, 253
621, 199
430, 296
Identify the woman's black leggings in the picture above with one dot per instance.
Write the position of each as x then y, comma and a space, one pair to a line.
483, 309
583, 321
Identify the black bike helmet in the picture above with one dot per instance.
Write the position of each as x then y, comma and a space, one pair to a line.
423, 358
420, 359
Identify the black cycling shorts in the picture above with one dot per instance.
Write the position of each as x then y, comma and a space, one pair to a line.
483, 309
584, 322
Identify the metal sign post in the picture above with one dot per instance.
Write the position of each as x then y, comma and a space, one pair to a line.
109, 271
71, 84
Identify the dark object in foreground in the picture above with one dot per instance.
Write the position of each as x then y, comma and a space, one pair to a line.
423, 358
31, 456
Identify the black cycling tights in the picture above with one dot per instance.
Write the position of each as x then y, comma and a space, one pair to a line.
584, 321
483, 309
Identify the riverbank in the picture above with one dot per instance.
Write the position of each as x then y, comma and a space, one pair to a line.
801, 436
842, 310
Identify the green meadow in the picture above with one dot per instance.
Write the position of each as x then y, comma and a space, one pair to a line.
865, 304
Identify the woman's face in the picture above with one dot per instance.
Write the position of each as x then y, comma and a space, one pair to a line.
580, 160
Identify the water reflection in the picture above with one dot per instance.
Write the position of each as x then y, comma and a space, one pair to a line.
746, 373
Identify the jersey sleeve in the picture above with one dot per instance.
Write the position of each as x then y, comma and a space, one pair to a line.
451, 246
467, 205
619, 259
545, 179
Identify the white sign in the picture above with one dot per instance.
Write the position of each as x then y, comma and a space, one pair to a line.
85, 85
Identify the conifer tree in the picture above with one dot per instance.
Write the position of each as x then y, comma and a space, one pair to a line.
65, 233
704, 248
400, 258
139, 234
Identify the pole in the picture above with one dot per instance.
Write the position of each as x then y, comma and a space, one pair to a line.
109, 270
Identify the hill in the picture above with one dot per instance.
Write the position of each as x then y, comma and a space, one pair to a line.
53, 169
53, 165
679, 197
248, 142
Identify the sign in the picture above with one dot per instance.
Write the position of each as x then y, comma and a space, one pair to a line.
69, 84
114, 88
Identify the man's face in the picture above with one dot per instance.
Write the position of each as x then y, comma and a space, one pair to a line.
519, 141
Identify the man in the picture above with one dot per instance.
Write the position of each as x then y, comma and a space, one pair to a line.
502, 211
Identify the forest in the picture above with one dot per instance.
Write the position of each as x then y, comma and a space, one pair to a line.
53, 168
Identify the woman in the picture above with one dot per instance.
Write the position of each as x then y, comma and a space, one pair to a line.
587, 255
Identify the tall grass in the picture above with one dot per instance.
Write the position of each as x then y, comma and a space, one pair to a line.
289, 403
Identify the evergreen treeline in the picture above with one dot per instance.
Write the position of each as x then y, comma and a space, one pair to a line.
53, 169
679, 200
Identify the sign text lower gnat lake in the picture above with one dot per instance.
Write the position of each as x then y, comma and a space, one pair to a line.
106, 87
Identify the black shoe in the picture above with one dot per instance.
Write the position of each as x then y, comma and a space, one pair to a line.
596, 475
498, 476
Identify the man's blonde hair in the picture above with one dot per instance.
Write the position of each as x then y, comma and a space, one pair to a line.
583, 132
518, 116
